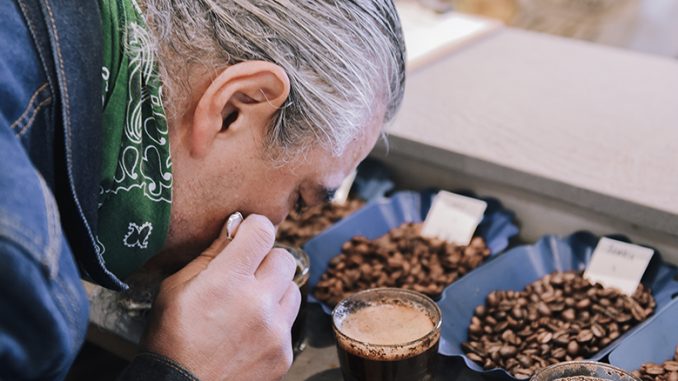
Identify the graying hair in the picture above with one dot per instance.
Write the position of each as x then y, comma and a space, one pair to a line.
345, 58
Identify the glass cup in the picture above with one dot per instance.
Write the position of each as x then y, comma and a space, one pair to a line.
301, 279
387, 334
582, 370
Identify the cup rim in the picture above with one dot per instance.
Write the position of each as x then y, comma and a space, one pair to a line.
436, 326
553, 367
300, 255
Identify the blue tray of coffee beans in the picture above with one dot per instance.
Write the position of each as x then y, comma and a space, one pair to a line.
380, 216
372, 181
490, 317
653, 342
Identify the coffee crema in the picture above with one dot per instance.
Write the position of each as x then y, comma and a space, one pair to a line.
386, 330
387, 324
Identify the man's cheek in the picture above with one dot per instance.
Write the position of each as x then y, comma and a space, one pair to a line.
275, 213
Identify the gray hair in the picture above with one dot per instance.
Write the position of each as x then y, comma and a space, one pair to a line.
345, 58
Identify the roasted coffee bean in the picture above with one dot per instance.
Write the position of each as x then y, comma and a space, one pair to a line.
523, 373
584, 336
559, 353
474, 357
517, 312
638, 312
598, 331
654, 370
623, 318
668, 371
583, 304
403, 258
561, 317
299, 227
508, 336
545, 337
524, 361
543, 309
561, 337
508, 351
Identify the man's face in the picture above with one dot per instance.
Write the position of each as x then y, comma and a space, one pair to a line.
238, 176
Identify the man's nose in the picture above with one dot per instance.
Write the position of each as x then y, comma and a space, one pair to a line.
278, 222
279, 218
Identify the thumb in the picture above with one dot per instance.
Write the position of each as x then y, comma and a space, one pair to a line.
197, 265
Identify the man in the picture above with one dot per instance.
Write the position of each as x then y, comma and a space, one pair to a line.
134, 129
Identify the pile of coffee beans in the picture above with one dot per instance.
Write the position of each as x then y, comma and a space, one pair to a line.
668, 371
299, 227
402, 258
561, 317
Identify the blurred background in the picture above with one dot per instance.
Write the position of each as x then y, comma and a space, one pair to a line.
642, 25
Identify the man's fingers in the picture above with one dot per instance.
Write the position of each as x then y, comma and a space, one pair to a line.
249, 247
276, 270
253, 241
278, 264
217, 246
200, 263
290, 302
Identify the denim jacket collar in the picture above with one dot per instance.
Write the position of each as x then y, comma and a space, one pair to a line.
75, 35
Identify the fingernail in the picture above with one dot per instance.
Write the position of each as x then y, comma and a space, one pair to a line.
232, 224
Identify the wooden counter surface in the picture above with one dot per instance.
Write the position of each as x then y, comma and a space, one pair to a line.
592, 126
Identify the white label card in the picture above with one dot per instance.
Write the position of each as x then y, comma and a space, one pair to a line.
341, 195
453, 217
618, 264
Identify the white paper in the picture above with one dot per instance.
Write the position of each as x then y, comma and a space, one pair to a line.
453, 217
618, 264
429, 34
341, 195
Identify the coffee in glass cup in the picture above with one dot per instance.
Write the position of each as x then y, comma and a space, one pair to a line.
387, 334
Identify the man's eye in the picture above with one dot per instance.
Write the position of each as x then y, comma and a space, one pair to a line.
299, 205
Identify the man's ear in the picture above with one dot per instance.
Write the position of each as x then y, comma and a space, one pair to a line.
244, 95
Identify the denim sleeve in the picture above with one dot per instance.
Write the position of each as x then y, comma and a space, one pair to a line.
41, 326
43, 306
148, 366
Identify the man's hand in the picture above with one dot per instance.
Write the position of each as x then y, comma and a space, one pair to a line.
228, 314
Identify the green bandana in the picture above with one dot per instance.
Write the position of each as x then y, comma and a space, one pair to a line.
136, 184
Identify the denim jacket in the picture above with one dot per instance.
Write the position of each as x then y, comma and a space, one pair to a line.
50, 131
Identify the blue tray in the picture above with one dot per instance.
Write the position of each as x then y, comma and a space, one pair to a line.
654, 341
379, 216
373, 180
523, 265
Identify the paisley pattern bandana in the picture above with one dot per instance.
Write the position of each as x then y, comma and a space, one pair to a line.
136, 184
